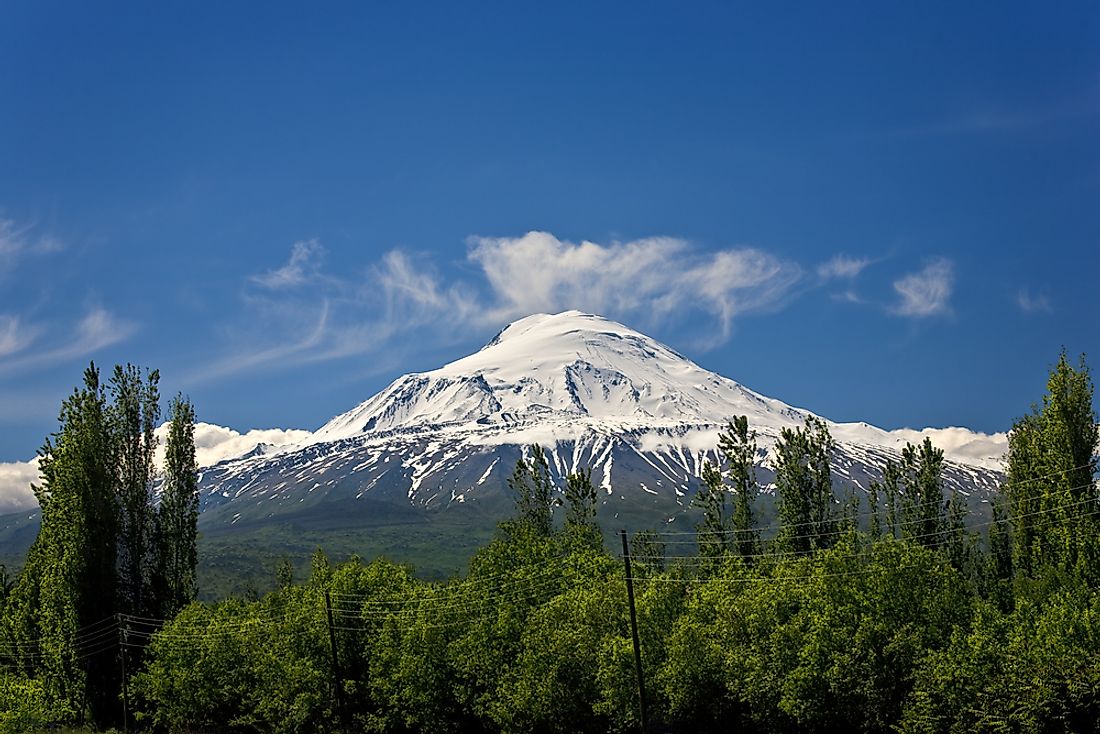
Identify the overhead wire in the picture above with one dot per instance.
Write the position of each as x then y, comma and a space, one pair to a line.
468, 599
866, 513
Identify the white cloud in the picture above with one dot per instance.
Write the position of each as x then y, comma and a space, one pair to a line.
338, 316
927, 292
842, 266
647, 278
14, 336
413, 290
303, 266
212, 444
98, 328
848, 296
15, 242
961, 444
15, 485
1029, 303
215, 443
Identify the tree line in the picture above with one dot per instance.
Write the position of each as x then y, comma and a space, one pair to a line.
896, 613
108, 545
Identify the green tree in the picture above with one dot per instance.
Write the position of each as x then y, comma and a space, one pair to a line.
133, 415
738, 445
581, 525
96, 554
534, 493
805, 488
178, 512
924, 510
647, 552
889, 488
711, 498
70, 581
1050, 479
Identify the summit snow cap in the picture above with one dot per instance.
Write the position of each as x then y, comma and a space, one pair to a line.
552, 377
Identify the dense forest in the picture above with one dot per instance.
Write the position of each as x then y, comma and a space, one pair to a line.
893, 611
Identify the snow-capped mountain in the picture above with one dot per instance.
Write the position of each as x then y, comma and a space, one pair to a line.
591, 391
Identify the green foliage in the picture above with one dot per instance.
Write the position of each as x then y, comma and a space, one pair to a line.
24, 706
1051, 469
909, 627
96, 555
581, 525
721, 531
1036, 669
738, 444
711, 498
534, 494
176, 518
805, 487
70, 580
132, 416
826, 642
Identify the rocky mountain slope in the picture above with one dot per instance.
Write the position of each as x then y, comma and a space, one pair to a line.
593, 392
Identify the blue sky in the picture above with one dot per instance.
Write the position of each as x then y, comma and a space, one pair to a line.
883, 212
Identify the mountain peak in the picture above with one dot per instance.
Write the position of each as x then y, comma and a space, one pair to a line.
548, 325
553, 377
559, 368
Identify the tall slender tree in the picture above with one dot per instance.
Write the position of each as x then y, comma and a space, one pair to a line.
1051, 477
804, 484
134, 413
177, 514
711, 499
534, 493
738, 444
70, 582
96, 553
581, 524
924, 508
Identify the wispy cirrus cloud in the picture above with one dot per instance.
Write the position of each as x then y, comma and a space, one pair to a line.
1033, 303
98, 328
304, 265
927, 292
842, 266
27, 343
18, 241
15, 336
646, 280
336, 316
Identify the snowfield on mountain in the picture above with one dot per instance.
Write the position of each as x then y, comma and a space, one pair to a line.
594, 393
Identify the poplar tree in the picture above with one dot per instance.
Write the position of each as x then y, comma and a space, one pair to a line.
97, 552
711, 499
134, 413
69, 582
533, 489
580, 509
738, 444
804, 485
177, 515
924, 509
1051, 477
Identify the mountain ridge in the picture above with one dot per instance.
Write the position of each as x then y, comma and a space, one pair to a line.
595, 393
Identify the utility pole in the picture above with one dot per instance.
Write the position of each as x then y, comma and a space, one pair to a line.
634, 633
122, 639
335, 664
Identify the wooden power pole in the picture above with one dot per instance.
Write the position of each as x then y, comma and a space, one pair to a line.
634, 634
335, 665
